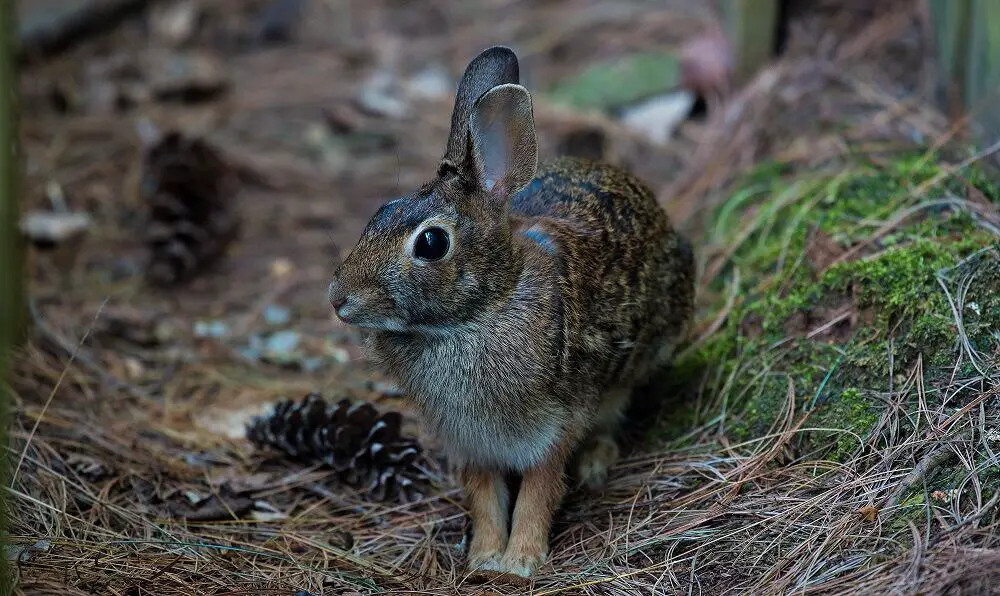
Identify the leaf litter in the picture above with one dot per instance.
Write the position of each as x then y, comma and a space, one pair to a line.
153, 484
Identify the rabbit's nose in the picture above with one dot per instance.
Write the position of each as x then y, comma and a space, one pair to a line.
336, 294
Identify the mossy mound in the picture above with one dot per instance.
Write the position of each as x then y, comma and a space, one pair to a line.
840, 288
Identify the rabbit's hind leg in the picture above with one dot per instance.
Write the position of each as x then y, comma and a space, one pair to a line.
599, 451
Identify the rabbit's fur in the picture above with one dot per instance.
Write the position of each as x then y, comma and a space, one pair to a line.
562, 288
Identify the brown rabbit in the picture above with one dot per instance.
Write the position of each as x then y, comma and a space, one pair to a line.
518, 305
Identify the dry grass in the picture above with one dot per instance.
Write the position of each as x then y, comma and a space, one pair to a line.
108, 457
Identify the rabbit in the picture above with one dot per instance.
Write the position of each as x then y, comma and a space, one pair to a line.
518, 305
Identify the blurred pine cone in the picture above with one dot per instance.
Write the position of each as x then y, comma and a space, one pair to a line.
189, 191
362, 445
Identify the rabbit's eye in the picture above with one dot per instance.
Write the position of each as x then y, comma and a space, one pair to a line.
431, 245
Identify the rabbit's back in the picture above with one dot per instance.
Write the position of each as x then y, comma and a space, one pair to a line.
627, 276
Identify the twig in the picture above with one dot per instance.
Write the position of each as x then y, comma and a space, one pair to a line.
936, 458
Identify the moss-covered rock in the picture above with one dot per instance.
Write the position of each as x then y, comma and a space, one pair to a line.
846, 281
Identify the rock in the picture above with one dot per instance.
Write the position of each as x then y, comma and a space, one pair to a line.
277, 315
657, 118
49, 228
280, 348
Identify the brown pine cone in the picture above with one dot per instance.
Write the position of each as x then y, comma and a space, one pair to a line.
189, 191
362, 445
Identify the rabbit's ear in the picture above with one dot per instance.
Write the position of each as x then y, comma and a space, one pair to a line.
503, 148
493, 66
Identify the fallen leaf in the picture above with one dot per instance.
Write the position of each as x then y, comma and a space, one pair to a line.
22, 554
869, 513
50, 228
657, 118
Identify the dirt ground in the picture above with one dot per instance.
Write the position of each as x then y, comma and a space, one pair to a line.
129, 440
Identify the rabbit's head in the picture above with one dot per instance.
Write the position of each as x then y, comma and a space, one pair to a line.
434, 259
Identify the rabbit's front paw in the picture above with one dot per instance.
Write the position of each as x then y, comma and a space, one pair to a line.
521, 564
486, 562
485, 565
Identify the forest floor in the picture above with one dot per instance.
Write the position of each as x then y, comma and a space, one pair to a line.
832, 427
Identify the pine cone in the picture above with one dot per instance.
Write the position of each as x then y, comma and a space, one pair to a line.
362, 445
189, 191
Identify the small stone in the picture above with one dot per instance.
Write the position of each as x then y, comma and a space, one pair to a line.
50, 228
277, 315
215, 329
281, 345
386, 389
281, 267
134, 369
339, 354
312, 364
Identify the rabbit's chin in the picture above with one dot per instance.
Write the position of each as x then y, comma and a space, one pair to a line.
376, 324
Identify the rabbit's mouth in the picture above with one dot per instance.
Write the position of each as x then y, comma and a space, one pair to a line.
356, 313
369, 323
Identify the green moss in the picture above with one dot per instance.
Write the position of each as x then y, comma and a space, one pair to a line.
889, 296
849, 416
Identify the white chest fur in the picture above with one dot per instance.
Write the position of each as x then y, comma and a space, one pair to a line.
481, 391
